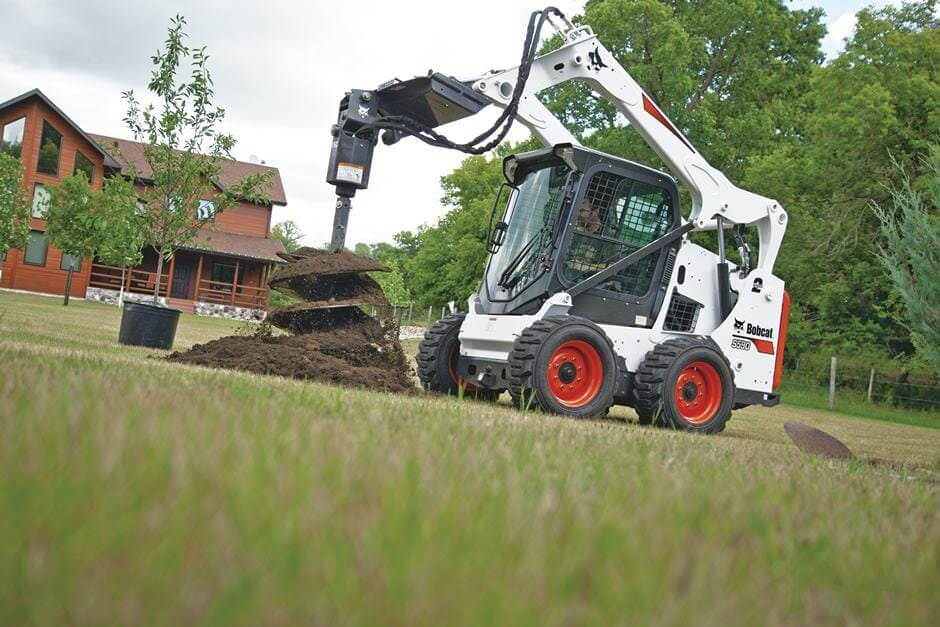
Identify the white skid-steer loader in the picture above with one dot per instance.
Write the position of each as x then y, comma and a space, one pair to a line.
593, 294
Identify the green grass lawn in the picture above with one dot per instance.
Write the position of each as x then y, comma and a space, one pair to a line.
134, 491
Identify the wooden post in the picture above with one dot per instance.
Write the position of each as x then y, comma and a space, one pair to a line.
832, 384
235, 280
442, 312
411, 309
871, 383
198, 278
430, 307
262, 298
169, 277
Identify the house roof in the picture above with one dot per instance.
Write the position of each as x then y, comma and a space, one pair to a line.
127, 151
109, 161
236, 245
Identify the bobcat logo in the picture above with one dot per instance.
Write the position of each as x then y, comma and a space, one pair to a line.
594, 60
738, 324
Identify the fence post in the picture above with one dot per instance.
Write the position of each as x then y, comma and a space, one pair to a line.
871, 383
411, 308
442, 312
832, 384
430, 307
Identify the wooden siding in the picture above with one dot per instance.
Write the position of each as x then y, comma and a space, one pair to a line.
245, 219
48, 278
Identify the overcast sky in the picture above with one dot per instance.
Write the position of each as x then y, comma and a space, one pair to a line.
280, 68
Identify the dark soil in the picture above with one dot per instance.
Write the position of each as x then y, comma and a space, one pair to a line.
332, 340
361, 354
310, 262
334, 288
311, 318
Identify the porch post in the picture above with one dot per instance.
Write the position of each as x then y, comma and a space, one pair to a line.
235, 281
198, 277
169, 277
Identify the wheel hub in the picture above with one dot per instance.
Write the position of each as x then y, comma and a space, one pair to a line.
567, 372
575, 373
698, 392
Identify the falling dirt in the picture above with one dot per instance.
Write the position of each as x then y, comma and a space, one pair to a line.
331, 338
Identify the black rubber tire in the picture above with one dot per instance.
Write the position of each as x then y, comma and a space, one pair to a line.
529, 360
436, 353
657, 376
643, 416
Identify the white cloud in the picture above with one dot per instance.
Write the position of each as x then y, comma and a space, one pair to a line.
839, 29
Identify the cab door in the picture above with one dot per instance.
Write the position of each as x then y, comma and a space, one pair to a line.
616, 212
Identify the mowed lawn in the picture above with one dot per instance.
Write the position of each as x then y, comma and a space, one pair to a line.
134, 491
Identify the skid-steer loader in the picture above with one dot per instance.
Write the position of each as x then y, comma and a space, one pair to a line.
593, 294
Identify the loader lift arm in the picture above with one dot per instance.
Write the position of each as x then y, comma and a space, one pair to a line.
416, 107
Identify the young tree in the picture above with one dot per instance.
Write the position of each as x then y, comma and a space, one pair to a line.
911, 255
71, 222
288, 233
119, 233
14, 206
184, 150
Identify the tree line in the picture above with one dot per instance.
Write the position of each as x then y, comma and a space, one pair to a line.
832, 140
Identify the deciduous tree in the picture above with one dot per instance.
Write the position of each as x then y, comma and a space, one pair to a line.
184, 150
14, 206
71, 223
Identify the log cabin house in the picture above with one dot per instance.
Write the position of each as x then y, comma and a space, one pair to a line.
225, 273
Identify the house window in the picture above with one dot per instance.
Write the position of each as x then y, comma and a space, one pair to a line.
12, 142
222, 273
206, 211
50, 145
36, 249
41, 198
84, 165
70, 262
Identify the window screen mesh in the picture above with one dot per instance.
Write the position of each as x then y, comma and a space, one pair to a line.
617, 216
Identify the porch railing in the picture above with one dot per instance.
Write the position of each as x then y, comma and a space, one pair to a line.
209, 291
136, 281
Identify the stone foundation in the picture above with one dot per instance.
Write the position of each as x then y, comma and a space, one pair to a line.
217, 310
112, 297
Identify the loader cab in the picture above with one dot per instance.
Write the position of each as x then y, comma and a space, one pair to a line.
566, 213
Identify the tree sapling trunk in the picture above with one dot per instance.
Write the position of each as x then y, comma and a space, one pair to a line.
68, 286
156, 287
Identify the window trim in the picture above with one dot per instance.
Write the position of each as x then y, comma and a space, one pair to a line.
22, 137
58, 165
45, 253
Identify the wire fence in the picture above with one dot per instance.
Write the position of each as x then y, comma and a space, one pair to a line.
412, 314
873, 384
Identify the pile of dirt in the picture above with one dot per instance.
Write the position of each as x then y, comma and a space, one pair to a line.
331, 338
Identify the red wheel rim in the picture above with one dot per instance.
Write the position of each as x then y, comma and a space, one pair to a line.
452, 367
575, 373
698, 392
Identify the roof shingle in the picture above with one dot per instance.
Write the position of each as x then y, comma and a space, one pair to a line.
125, 151
237, 245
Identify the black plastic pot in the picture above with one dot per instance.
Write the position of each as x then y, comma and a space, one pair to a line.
148, 325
